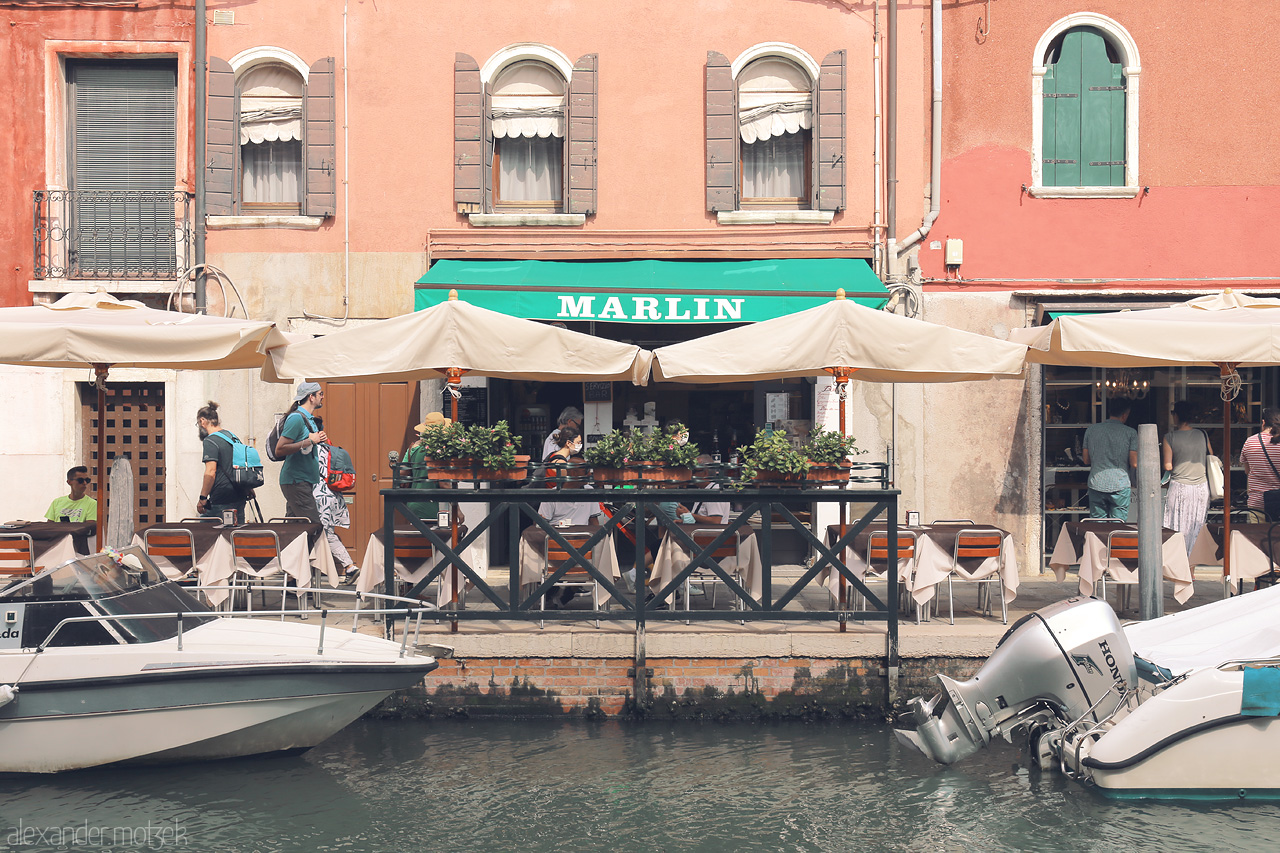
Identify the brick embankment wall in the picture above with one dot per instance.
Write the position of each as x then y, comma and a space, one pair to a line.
678, 688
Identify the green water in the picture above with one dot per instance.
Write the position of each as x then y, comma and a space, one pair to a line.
538, 785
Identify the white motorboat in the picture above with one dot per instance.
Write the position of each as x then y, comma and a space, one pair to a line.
103, 661
1182, 707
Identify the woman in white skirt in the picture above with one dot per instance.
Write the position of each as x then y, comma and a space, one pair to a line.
1185, 450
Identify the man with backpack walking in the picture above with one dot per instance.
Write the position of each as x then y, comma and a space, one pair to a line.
218, 491
299, 436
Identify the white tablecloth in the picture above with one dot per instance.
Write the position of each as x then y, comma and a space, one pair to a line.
1093, 556
604, 557
215, 567
373, 568
672, 556
1248, 560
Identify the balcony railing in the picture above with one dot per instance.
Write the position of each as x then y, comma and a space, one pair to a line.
112, 234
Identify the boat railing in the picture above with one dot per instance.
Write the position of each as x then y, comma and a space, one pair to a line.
415, 610
1241, 663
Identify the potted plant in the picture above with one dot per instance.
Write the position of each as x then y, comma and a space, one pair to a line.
446, 451
494, 451
828, 454
610, 456
667, 455
771, 458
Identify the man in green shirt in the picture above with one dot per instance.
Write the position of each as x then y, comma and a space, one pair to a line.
298, 439
77, 506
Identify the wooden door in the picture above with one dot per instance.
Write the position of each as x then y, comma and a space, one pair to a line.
135, 429
369, 420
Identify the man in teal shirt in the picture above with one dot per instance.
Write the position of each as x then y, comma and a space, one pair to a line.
298, 439
77, 506
1110, 450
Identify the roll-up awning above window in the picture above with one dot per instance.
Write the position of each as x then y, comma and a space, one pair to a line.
528, 101
651, 291
270, 105
774, 97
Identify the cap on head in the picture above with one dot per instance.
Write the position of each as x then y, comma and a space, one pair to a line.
305, 390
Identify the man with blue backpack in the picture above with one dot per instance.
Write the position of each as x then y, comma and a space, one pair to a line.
299, 436
231, 470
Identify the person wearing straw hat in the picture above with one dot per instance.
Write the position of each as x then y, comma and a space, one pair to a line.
413, 468
298, 439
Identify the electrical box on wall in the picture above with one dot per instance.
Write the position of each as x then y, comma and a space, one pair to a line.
954, 254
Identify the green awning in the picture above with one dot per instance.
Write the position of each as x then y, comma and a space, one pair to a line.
651, 291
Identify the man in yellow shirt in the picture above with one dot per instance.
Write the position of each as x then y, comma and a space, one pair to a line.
77, 506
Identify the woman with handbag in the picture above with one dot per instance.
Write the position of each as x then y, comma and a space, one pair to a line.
1260, 457
333, 513
1185, 453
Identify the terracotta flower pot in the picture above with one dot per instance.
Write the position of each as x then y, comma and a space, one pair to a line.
609, 476
776, 478
829, 472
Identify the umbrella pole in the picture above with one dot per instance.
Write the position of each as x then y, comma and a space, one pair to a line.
453, 377
100, 382
841, 375
1226, 370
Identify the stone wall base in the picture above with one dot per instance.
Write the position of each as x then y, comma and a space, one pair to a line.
692, 688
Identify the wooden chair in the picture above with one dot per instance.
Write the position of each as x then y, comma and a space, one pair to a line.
878, 563
1122, 546
290, 519
967, 522
17, 555
702, 577
204, 519
983, 544
173, 544
260, 549
411, 547
554, 556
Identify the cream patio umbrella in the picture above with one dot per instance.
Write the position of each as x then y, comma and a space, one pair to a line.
97, 331
1227, 330
846, 340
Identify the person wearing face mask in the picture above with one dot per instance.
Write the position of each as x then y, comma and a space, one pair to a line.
217, 491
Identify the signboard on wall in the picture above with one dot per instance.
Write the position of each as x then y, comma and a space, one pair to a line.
473, 405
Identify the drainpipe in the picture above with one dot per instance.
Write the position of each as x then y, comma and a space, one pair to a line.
935, 137
891, 141
202, 50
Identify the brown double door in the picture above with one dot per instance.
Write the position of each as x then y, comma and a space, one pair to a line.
369, 420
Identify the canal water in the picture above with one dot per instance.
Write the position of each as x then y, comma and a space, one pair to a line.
539, 785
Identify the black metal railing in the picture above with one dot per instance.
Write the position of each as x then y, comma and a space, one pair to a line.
112, 234
512, 509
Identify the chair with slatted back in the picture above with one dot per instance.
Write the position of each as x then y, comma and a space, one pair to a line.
979, 558
17, 555
554, 556
412, 549
1121, 564
261, 550
703, 577
878, 563
177, 546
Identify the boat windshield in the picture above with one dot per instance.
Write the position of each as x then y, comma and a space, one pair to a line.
119, 583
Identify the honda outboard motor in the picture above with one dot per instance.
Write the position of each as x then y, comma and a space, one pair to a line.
1057, 662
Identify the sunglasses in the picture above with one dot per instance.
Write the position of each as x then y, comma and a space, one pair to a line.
83, 480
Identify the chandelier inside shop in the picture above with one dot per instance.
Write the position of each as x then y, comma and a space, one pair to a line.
1124, 382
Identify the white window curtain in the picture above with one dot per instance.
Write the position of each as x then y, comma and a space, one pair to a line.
529, 169
774, 168
270, 173
271, 135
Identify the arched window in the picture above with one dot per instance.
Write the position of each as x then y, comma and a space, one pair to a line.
527, 116
775, 120
1085, 109
270, 123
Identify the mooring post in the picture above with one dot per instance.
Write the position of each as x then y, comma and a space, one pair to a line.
1150, 561
891, 671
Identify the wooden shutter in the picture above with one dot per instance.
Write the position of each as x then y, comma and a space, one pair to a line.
722, 134
1102, 151
468, 124
829, 134
321, 140
582, 136
221, 140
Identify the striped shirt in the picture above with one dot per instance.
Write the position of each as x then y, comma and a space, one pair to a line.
1261, 476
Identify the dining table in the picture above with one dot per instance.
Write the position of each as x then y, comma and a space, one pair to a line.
55, 542
1085, 543
933, 560
532, 549
673, 556
1250, 549
407, 569
303, 547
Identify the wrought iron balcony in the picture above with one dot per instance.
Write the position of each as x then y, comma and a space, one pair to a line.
112, 234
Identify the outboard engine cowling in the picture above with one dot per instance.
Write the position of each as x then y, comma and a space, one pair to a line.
1062, 659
